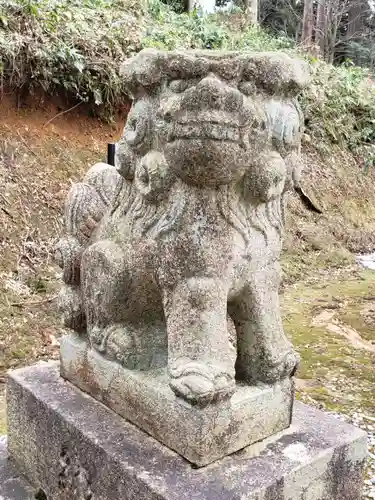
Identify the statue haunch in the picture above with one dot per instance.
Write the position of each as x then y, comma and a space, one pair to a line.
172, 256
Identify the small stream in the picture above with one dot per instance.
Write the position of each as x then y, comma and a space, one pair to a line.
367, 260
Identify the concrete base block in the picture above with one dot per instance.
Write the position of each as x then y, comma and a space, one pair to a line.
201, 435
12, 485
73, 447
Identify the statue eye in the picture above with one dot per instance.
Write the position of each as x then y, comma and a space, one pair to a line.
246, 88
138, 124
135, 131
178, 86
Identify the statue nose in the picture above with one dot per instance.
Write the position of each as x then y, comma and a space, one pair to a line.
211, 92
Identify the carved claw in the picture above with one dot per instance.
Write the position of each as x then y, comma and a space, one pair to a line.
69, 303
199, 383
285, 367
114, 342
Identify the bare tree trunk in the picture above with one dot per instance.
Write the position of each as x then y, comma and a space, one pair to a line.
321, 28
190, 4
356, 15
355, 19
308, 24
254, 11
251, 10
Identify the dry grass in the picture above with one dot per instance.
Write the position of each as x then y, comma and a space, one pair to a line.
69, 47
37, 166
316, 244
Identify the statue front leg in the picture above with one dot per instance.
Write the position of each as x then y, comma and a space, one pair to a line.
263, 351
104, 292
200, 358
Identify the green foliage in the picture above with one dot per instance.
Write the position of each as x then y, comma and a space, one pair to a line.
281, 17
339, 105
361, 51
178, 6
170, 30
70, 45
77, 46
257, 39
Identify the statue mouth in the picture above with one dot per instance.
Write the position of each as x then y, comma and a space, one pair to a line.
212, 125
206, 131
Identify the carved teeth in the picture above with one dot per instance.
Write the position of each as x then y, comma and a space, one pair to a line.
207, 131
218, 117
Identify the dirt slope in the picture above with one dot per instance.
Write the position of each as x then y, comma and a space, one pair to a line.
38, 163
345, 194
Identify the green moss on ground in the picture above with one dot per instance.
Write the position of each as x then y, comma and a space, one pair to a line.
333, 370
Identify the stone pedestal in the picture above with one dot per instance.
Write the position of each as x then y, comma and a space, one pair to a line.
12, 485
72, 447
201, 435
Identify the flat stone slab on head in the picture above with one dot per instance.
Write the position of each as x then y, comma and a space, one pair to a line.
274, 71
201, 435
74, 447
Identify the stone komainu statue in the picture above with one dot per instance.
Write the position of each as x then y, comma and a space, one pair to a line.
172, 257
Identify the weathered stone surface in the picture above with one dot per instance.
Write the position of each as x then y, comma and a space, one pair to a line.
176, 250
74, 448
12, 485
201, 435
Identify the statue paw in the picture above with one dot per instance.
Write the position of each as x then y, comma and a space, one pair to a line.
115, 343
69, 303
200, 383
284, 367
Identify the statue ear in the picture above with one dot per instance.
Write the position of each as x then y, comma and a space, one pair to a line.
284, 118
294, 169
125, 160
67, 255
266, 178
153, 178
